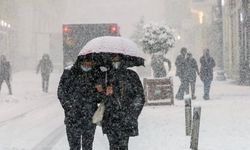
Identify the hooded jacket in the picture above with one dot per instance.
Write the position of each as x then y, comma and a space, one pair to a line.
206, 70
124, 106
77, 95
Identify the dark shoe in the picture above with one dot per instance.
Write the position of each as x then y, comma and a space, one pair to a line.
193, 97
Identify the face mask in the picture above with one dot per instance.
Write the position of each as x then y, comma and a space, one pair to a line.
85, 69
116, 65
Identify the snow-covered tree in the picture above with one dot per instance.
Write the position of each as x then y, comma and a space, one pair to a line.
157, 37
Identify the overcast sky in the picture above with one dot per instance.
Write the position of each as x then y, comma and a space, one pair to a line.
125, 13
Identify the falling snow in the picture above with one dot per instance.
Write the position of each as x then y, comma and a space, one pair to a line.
54, 76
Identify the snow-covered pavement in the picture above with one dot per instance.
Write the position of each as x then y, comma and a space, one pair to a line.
33, 120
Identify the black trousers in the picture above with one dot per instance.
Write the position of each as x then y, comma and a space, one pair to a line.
45, 82
183, 88
207, 86
80, 137
118, 141
191, 83
8, 84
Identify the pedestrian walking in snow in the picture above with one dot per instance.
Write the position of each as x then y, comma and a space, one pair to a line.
206, 72
191, 71
5, 72
125, 100
181, 73
157, 64
78, 97
46, 67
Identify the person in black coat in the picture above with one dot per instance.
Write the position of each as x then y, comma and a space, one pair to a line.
46, 67
5, 72
191, 71
124, 102
181, 73
78, 97
206, 72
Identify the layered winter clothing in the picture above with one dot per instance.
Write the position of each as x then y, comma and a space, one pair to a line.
5, 73
123, 107
180, 66
191, 71
46, 67
206, 70
78, 97
181, 73
206, 73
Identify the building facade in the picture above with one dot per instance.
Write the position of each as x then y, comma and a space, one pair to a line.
207, 33
7, 30
236, 39
38, 22
28, 29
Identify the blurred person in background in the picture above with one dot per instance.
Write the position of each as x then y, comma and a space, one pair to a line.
206, 72
180, 72
45, 66
5, 72
191, 71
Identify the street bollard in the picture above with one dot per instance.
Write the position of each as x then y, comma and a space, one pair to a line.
195, 128
188, 114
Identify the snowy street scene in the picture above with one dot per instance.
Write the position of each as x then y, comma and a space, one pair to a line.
124, 75
32, 120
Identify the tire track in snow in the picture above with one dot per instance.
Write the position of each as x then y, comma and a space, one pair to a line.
4, 122
51, 139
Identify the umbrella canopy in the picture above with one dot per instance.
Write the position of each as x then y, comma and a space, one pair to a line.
133, 56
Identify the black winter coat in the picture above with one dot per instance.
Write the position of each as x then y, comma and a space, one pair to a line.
191, 69
206, 70
125, 105
46, 66
5, 70
78, 97
180, 66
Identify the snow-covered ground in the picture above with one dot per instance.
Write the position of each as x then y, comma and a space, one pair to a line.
33, 120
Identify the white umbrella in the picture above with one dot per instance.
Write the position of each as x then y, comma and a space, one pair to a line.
112, 44
132, 55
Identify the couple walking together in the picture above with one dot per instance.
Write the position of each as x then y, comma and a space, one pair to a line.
186, 70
